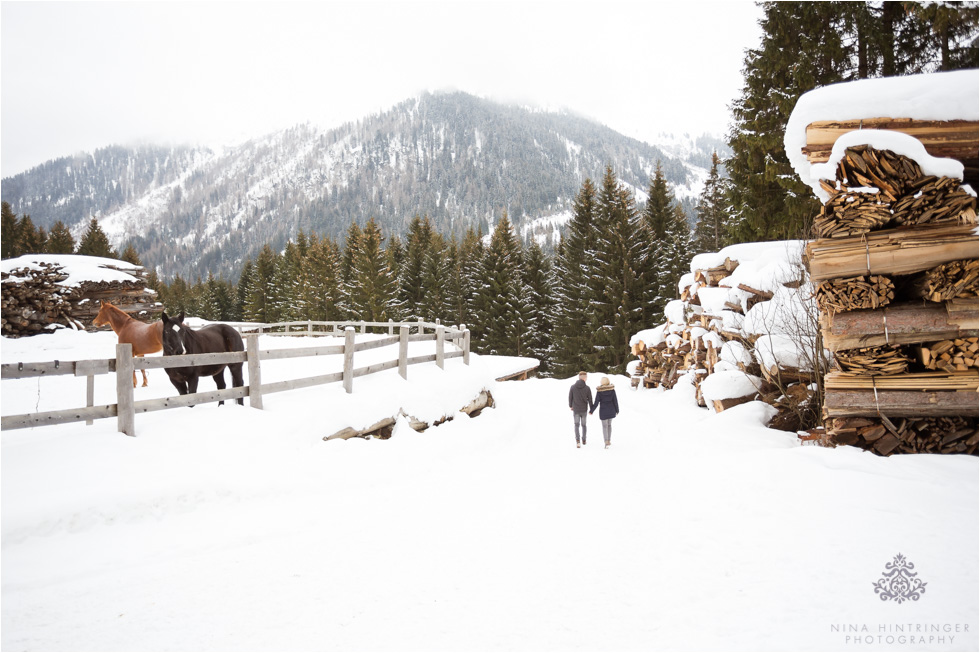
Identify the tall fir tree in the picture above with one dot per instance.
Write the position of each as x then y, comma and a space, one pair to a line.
95, 242
30, 239
502, 310
240, 298
411, 292
667, 249
347, 270
60, 240
540, 283
435, 303
258, 293
130, 255
575, 265
8, 231
710, 232
374, 292
617, 290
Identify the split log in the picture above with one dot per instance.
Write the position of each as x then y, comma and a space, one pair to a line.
949, 355
906, 435
850, 213
900, 324
949, 281
872, 361
904, 250
925, 381
839, 295
955, 139
898, 403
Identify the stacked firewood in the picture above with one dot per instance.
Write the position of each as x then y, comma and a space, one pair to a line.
889, 238
32, 299
703, 337
36, 297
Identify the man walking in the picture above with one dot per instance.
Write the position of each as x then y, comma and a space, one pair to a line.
579, 402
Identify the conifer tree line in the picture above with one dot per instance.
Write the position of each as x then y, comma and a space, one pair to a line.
20, 236
610, 276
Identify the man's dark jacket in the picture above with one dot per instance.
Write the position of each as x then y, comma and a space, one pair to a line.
580, 397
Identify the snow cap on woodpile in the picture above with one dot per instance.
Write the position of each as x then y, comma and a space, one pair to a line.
80, 269
935, 96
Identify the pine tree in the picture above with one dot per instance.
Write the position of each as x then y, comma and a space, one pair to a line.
321, 283
503, 308
130, 256
411, 292
8, 231
471, 254
347, 271
710, 230
435, 280
539, 281
95, 243
667, 247
209, 306
617, 289
575, 265
258, 291
60, 240
240, 298
375, 290
30, 239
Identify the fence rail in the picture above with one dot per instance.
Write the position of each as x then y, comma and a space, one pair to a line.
124, 365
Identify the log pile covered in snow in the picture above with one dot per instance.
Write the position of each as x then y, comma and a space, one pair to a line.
895, 264
40, 291
741, 330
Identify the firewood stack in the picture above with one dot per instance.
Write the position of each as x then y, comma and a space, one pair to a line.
704, 335
37, 296
895, 260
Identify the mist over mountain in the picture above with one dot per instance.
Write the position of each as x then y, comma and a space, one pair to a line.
459, 159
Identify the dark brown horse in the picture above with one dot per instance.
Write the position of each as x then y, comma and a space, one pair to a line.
145, 338
179, 339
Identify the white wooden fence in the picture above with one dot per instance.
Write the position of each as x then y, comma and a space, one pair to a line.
124, 365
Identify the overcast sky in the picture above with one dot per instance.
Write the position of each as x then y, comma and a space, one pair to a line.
81, 75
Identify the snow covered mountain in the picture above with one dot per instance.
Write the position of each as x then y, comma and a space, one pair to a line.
460, 159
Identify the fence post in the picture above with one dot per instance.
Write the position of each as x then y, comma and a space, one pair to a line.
440, 346
403, 351
466, 346
254, 371
349, 360
309, 327
421, 328
125, 413
89, 395
391, 327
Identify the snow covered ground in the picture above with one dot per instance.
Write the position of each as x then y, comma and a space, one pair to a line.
224, 528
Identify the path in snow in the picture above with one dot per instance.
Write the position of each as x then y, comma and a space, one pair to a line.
238, 529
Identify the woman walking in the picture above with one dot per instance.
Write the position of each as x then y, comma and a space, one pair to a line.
605, 399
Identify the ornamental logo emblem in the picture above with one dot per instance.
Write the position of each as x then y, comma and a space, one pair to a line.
898, 582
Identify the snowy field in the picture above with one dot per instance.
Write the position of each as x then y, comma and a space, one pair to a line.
228, 528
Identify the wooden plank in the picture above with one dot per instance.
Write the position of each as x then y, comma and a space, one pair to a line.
421, 359
124, 390
955, 139
375, 368
254, 371
375, 344
300, 352
298, 384
421, 337
349, 360
49, 418
518, 375
188, 360
905, 323
403, 351
180, 401
52, 368
933, 381
899, 403
892, 251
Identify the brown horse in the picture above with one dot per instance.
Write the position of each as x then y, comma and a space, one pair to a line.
145, 338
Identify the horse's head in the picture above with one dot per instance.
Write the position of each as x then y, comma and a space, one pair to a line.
102, 318
173, 339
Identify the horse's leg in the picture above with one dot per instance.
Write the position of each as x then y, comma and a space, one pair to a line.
192, 386
143, 372
219, 380
236, 379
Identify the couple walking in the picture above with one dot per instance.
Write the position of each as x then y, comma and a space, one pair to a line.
580, 401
